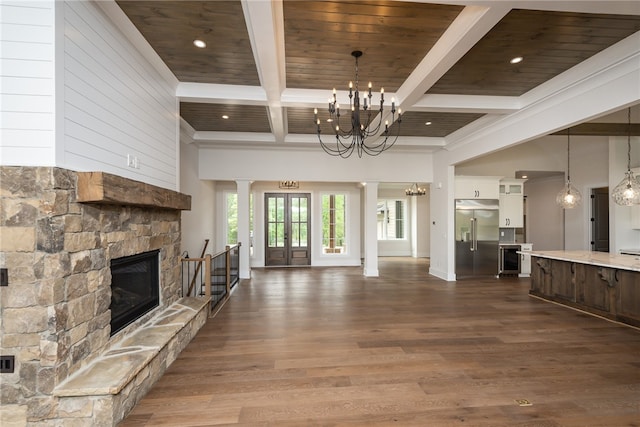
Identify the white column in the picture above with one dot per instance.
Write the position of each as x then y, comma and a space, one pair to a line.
370, 231
243, 188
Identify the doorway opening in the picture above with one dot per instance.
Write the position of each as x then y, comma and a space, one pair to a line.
287, 229
600, 219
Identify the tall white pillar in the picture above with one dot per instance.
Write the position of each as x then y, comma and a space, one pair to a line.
370, 230
243, 188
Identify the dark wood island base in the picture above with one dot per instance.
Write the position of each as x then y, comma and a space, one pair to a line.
597, 283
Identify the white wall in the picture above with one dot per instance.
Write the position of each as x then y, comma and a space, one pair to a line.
621, 235
116, 103
198, 223
269, 164
589, 169
27, 83
421, 225
544, 217
78, 94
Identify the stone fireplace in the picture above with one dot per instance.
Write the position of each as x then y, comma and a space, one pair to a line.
59, 233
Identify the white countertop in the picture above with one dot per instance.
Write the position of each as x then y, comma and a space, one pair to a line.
601, 259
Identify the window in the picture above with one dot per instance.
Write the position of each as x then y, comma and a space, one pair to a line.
232, 220
391, 219
333, 223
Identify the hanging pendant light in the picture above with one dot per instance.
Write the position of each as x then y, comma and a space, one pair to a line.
569, 197
627, 193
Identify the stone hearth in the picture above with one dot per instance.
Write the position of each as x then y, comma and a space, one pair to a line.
55, 310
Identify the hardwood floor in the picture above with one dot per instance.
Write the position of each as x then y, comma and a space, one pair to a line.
329, 347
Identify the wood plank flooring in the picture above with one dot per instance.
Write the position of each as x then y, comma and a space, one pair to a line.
329, 347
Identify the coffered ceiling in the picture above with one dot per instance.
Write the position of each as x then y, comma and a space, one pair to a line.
268, 64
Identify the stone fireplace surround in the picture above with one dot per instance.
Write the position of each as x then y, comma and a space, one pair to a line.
59, 229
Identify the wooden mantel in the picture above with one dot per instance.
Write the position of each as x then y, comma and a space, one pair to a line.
104, 188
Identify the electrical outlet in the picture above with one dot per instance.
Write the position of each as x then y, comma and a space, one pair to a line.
7, 364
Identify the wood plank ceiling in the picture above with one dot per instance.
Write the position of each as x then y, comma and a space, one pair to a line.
394, 36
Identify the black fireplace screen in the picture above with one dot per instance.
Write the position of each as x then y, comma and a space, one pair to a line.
134, 288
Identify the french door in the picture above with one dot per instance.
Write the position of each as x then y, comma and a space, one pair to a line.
287, 227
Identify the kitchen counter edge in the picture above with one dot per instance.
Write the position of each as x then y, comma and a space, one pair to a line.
600, 259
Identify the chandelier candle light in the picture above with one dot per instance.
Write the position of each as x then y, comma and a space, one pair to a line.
358, 137
627, 193
569, 197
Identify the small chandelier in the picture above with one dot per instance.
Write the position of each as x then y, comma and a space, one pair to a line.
289, 185
414, 190
355, 137
569, 197
627, 193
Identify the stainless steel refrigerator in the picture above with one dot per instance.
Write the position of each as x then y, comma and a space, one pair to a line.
477, 237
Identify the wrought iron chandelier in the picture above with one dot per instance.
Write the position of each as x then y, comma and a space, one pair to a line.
569, 197
627, 192
359, 136
414, 190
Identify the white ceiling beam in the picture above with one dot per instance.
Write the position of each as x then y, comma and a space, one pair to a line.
233, 137
221, 94
573, 98
615, 7
463, 33
265, 25
468, 104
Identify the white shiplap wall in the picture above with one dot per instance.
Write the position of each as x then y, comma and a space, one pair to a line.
116, 104
27, 85
77, 93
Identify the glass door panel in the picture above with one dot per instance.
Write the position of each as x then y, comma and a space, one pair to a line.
287, 225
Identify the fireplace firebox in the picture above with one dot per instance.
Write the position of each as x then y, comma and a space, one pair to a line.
134, 288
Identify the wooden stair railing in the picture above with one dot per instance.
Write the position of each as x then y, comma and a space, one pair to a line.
211, 274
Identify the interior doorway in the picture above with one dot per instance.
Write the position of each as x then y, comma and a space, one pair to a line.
287, 229
600, 219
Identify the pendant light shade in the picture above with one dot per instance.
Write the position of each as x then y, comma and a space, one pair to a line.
627, 192
569, 197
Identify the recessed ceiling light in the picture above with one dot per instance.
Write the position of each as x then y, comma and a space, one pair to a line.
525, 176
329, 120
428, 123
225, 117
199, 43
516, 60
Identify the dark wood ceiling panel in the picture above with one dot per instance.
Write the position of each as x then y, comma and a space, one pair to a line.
441, 124
300, 120
171, 26
549, 42
242, 118
603, 129
394, 36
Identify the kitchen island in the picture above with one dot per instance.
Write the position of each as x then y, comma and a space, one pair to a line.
599, 283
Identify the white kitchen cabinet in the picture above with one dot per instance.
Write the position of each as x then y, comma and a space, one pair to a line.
525, 260
511, 203
477, 187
